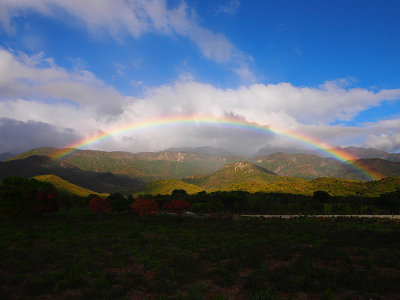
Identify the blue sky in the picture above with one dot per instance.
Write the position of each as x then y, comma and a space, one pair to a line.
326, 68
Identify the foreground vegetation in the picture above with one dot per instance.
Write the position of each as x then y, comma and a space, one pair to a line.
58, 245
79, 255
19, 196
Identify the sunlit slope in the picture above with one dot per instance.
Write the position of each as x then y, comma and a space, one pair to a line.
61, 184
249, 177
44, 151
150, 166
243, 176
166, 186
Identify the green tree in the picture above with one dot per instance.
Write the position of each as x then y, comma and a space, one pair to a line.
179, 194
118, 202
321, 196
390, 202
20, 196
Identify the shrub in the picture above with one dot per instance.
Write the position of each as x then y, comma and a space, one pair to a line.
144, 207
44, 201
179, 194
321, 196
27, 196
99, 205
118, 202
177, 206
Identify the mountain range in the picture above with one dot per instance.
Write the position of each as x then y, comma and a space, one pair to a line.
108, 172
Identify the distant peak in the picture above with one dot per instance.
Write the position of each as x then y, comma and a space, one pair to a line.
244, 166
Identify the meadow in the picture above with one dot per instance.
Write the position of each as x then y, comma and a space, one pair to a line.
78, 255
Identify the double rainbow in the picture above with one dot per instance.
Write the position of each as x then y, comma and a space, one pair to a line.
318, 145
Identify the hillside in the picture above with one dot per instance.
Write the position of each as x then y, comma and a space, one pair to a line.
204, 150
310, 166
44, 151
146, 167
306, 166
63, 185
166, 186
371, 153
381, 166
42, 165
249, 177
232, 174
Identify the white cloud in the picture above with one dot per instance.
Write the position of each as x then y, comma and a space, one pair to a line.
388, 142
23, 76
282, 106
135, 18
383, 135
30, 84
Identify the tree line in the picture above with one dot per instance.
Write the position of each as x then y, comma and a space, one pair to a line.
19, 196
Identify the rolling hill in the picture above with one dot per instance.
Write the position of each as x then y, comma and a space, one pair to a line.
63, 185
108, 172
147, 166
252, 178
166, 186
231, 174
102, 182
307, 166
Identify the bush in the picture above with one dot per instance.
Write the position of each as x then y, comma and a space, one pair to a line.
118, 202
177, 206
321, 196
21, 196
99, 205
144, 207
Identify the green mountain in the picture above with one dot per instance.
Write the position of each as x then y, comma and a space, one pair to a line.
44, 151
310, 166
166, 186
371, 153
123, 171
307, 166
103, 182
63, 185
346, 187
244, 176
381, 166
148, 166
248, 177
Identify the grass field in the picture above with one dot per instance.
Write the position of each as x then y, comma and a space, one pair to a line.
76, 255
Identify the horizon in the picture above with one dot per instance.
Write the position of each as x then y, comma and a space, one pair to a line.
184, 149
70, 71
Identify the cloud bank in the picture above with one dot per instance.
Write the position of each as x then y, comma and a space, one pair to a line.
35, 90
17, 136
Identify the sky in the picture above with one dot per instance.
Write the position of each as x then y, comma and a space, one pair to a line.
70, 69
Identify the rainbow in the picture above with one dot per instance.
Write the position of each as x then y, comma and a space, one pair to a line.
308, 141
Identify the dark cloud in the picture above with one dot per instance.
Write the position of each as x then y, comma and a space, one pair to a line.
17, 136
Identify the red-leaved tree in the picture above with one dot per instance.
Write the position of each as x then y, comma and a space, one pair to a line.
177, 206
99, 205
45, 201
144, 207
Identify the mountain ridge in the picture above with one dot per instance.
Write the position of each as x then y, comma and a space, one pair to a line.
150, 166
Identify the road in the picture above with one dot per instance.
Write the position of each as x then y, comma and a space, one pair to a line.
323, 216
